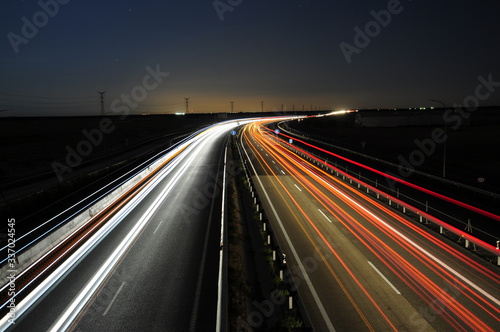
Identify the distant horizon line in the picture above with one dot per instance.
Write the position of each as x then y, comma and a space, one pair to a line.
3, 115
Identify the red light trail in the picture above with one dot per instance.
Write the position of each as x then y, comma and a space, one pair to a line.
416, 257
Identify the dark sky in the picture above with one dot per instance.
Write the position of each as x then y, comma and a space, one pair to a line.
277, 51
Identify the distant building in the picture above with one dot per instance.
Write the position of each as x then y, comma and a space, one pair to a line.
400, 118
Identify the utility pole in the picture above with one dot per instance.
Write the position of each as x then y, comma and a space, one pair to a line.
282, 108
262, 106
187, 104
232, 105
102, 101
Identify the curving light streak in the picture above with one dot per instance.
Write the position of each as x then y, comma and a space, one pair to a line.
71, 312
342, 262
45, 286
311, 287
429, 217
394, 178
185, 152
104, 191
406, 237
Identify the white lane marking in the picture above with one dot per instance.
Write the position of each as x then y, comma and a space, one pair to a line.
273, 161
383, 277
324, 215
282, 172
196, 304
298, 188
302, 269
113, 299
159, 224
415, 245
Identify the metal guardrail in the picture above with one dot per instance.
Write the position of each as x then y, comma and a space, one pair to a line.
291, 131
294, 301
469, 239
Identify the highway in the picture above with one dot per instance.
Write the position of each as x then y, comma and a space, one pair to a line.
358, 264
157, 267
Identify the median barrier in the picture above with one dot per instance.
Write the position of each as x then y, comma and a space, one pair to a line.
284, 295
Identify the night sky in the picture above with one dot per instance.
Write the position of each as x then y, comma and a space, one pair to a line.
282, 52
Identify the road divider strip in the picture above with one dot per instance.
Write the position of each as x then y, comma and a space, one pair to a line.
302, 269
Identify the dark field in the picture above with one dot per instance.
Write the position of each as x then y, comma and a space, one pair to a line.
472, 152
48, 163
30, 145
87, 152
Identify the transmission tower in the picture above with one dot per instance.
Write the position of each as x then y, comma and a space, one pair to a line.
187, 104
102, 102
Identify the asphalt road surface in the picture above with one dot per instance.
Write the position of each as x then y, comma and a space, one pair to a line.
360, 265
166, 276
